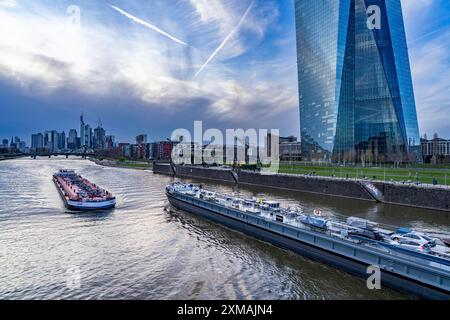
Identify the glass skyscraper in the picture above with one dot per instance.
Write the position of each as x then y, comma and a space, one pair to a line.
356, 94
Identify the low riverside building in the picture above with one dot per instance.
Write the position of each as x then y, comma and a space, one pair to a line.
290, 149
436, 150
159, 150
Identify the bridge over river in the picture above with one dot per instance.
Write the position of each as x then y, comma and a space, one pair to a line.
56, 154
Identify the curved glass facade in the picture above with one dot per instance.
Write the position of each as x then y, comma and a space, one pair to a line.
356, 95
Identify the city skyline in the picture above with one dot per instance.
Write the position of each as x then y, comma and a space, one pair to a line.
46, 81
75, 129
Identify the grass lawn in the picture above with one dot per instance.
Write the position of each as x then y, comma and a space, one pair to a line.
125, 164
135, 165
421, 173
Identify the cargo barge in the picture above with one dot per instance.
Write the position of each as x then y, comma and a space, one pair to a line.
420, 267
79, 194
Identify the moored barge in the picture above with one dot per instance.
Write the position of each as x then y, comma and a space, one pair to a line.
80, 194
351, 245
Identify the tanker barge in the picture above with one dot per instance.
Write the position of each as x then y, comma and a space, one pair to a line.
420, 267
80, 194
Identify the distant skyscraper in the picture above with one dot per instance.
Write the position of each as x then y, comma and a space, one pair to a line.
37, 141
72, 140
87, 136
62, 141
48, 140
5, 143
13, 143
55, 140
141, 139
109, 142
99, 138
51, 140
22, 146
356, 94
82, 134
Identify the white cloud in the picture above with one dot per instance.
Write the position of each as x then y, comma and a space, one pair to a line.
415, 6
214, 20
42, 54
430, 64
431, 74
8, 4
92, 59
263, 101
416, 17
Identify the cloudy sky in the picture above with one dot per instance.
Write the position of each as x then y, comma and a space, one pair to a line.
157, 65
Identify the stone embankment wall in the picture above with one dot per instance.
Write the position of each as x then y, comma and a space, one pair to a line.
435, 198
204, 173
407, 195
341, 188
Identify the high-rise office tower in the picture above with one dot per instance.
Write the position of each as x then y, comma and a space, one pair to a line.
99, 138
109, 142
356, 93
62, 141
48, 140
37, 141
72, 143
54, 139
82, 134
141, 139
87, 136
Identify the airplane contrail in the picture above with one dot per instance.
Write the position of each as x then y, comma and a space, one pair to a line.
426, 35
148, 25
224, 42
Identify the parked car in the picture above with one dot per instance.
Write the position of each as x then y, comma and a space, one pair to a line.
365, 233
414, 237
414, 245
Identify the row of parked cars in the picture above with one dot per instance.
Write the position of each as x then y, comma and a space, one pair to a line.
417, 240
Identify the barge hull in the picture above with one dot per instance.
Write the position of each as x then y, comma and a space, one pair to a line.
76, 208
343, 263
71, 207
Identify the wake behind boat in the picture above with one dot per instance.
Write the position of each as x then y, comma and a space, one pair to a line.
80, 194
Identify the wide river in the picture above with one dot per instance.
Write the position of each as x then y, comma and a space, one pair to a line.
141, 250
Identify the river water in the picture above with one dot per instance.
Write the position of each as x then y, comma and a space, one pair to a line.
140, 250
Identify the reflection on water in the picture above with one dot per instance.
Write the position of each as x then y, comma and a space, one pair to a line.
142, 251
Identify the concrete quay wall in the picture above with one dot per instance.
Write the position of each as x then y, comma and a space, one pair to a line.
204, 173
415, 196
340, 188
428, 197
163, 168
